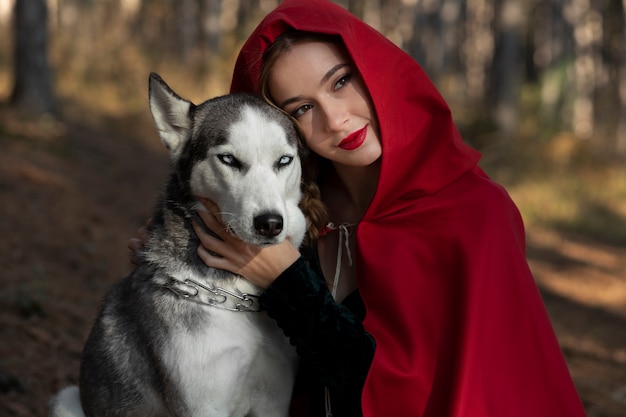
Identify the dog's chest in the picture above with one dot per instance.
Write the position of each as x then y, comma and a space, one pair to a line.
228, 359
227, 340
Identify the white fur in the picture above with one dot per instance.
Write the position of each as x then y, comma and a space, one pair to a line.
205, 365
258, 144
66, 403
216, 387
165, 116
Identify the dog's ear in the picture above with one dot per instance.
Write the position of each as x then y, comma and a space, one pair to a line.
171, 115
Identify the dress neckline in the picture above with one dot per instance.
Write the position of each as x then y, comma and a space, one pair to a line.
344, 240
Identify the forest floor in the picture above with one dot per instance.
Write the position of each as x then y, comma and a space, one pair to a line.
72, 195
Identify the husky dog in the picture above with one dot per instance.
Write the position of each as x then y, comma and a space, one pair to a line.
177, 338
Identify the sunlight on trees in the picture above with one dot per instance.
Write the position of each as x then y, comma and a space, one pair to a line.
499, 63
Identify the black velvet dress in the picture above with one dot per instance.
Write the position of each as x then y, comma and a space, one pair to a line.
335, 350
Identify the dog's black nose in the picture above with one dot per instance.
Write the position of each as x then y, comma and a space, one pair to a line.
268, 224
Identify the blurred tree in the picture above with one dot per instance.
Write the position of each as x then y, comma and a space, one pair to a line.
621, 132
33, 91
568, 57
212, 27
357, 7
506, 66
426, 42
549, 48
188, 28
614, 49
587, 64
478, 48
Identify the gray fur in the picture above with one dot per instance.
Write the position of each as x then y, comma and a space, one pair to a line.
153, 353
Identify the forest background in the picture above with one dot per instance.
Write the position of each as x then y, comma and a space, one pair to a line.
538, 86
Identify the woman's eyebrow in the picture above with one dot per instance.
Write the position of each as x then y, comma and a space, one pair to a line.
289, 101
324, 79
332, 72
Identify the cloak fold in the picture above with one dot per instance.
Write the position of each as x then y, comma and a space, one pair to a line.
459, 323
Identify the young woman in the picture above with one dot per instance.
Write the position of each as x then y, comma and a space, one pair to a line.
416, 300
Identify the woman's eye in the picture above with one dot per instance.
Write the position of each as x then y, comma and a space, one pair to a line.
301, 110
341, 82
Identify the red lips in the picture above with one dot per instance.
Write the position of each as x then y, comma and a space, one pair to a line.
354, 140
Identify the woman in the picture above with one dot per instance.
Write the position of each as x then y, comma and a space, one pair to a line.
454, 323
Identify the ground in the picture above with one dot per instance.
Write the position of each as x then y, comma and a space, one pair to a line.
73, 195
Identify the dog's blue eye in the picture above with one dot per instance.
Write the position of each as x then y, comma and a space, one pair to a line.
228, 159
284, 161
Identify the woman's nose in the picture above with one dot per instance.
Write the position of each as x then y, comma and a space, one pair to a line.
335, 116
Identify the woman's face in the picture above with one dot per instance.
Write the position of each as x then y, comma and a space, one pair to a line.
319, 86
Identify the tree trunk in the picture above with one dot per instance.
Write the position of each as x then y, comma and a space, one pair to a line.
33, 91
621, 128
478, 48
187, 29
587, 34
212, 27
506, 66
356, 7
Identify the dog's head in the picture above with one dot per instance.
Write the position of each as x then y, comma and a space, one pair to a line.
240, 152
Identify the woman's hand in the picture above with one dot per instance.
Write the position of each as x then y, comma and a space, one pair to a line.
259, 265
135, 244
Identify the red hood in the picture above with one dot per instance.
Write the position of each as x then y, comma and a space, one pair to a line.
459, 324
422, 149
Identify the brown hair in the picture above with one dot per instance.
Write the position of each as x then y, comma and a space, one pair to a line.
313, 166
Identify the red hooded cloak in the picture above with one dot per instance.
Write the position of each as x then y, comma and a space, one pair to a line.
459, 323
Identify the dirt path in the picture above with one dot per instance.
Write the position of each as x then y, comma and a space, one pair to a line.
70, 203
584, 287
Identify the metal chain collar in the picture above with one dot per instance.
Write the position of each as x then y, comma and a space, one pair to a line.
217, 297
